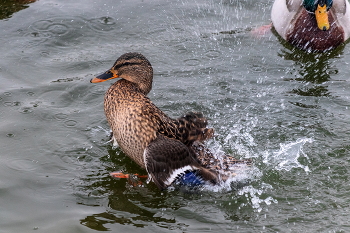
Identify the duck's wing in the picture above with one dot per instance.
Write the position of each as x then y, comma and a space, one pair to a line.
196, 125
189, 128
221, 162
225, 165
166, 159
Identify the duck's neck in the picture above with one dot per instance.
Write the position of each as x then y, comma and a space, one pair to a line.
144, 88
142, 79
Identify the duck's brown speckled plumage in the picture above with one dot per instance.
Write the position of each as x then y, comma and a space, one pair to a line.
161, 145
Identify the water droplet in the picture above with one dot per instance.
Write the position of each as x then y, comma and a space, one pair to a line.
35, 34
102, 24
26, 110
16, 103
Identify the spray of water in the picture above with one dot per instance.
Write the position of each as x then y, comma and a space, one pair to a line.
287, 157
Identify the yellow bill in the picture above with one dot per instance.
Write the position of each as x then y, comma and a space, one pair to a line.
322, 17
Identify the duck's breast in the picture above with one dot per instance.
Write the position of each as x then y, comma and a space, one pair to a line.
131, 121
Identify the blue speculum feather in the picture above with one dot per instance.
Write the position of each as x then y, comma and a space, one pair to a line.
190, 178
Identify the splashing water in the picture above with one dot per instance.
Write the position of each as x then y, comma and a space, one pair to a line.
287, 156
95, 131
241, 139
241, 175
254, 195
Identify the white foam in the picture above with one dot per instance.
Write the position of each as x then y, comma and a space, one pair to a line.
243, 174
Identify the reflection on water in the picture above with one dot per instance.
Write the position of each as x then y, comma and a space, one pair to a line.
125, 204
312, 69
8, 7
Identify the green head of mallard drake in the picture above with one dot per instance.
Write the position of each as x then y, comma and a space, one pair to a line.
133, 67
320, 8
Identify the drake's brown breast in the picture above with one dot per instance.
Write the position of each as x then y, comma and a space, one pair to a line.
306, 35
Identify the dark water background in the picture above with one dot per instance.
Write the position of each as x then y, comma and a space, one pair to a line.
284, 108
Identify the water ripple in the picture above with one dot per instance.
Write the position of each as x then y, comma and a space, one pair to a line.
42, 30
12, 104
61, 116
70, 123
22, 164
102, 24
7, 93
213, 53
192, 62
51, 26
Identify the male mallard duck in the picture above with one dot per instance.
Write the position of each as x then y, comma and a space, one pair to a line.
315, 25
169, 149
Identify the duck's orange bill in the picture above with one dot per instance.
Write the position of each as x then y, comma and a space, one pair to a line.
104, 77
322, 17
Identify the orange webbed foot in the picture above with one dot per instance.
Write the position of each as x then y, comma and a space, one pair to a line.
261, 31
132, 179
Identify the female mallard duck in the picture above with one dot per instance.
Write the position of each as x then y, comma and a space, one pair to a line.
169, 149
315, 25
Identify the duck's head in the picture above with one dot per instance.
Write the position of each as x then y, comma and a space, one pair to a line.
133, 67
320, 8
